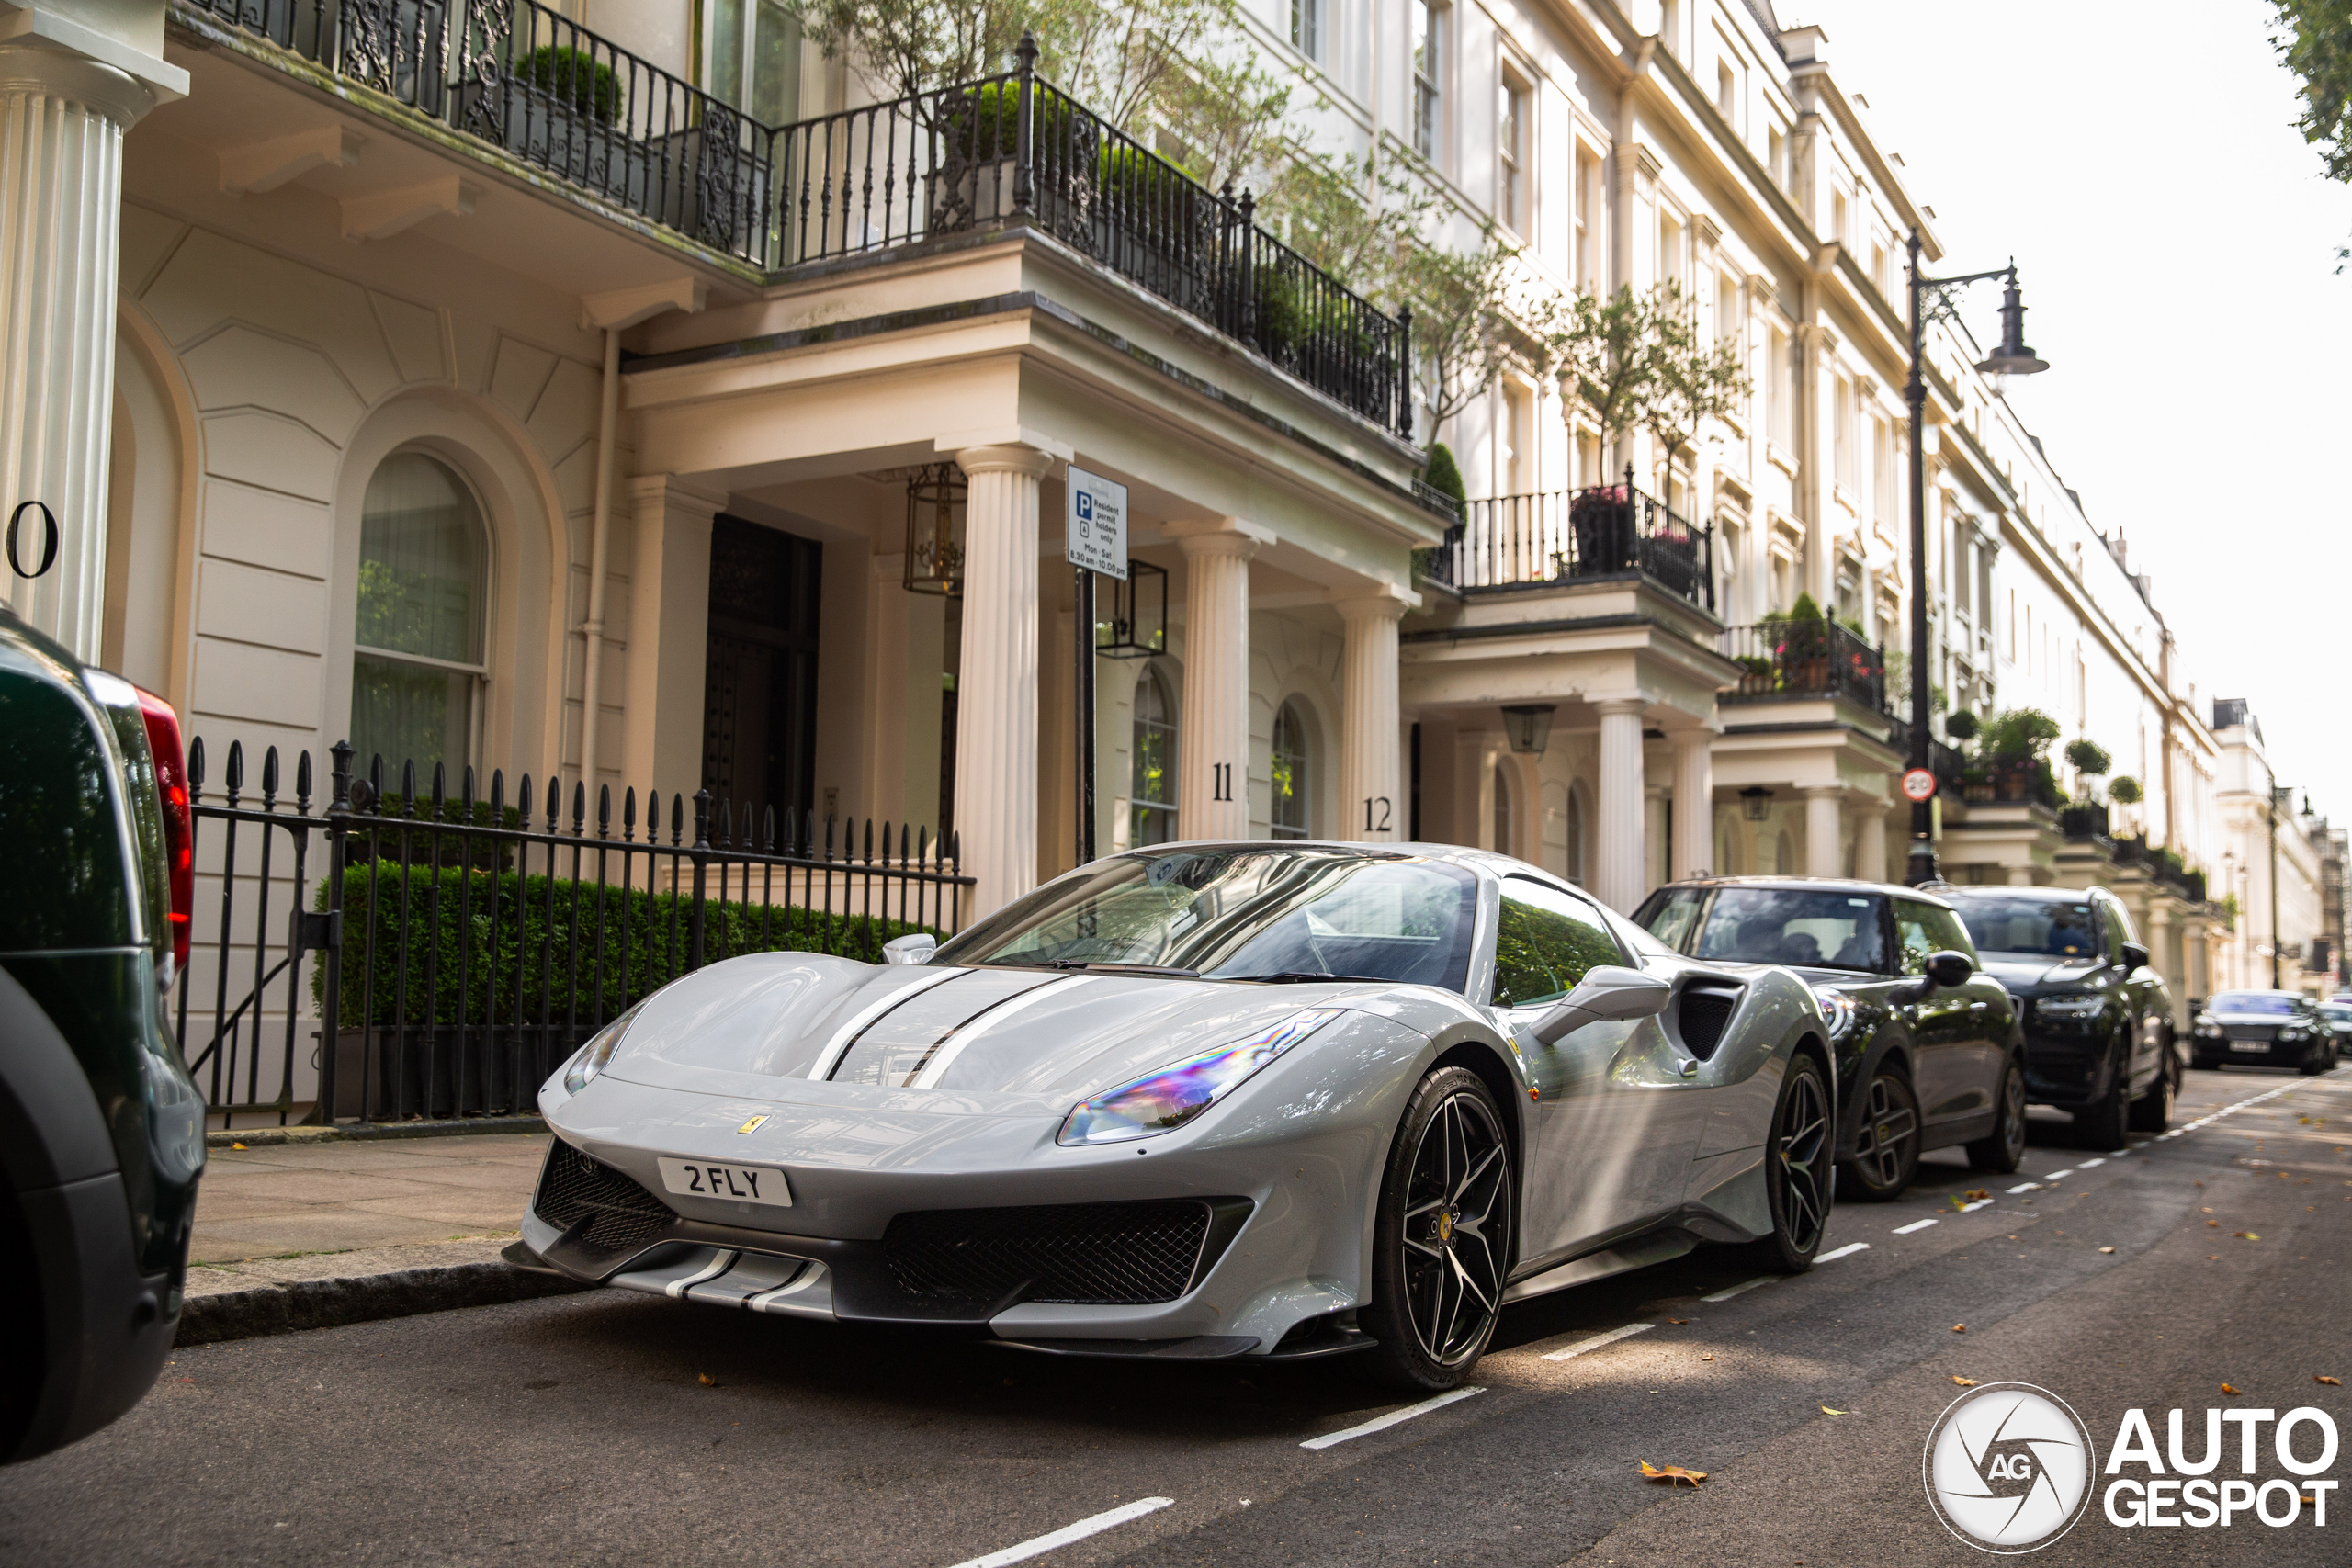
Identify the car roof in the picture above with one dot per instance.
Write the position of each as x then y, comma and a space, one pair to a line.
1467, 856
2031, 895
1810, 884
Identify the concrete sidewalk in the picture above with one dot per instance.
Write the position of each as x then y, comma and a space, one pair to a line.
312, 1234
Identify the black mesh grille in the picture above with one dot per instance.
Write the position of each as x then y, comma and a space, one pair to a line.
620, 1215
1122, 1254
1704, 1014
2064, 1061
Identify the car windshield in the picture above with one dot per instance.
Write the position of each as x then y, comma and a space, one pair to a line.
2268, 1003
1773, 925
2043, 927
1243, 914
2334, 1014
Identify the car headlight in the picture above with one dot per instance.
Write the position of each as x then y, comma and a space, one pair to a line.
1164, 1101
2290, 1034
2206, 1028
1840, 1010
2070, 1009
589, 1059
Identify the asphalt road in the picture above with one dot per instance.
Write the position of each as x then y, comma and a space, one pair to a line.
600, 1429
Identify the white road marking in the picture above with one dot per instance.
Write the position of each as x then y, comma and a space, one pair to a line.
1598, 1340
2025, 1186
1847, 1251
1914, 1225
2057, 1175
1744, 1285
2111, 1154
1980, 1204
2089, 1164
1068, 1533
1379, 1424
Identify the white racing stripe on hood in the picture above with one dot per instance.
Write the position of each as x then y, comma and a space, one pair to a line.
944, 1056
831, 1055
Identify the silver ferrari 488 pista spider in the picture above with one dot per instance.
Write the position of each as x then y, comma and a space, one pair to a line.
1200, 1101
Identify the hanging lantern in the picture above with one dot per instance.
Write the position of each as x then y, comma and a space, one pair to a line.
1529, 727
935, 508
1133, 623
1755, 803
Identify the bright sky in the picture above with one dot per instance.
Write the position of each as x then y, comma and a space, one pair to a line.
2176, 242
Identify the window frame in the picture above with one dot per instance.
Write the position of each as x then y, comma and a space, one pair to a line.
1514, 184
1141, 810
1430, 140
1306, 29
1302, 774
742, 95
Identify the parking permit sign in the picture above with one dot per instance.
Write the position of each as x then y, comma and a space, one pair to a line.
1096, 526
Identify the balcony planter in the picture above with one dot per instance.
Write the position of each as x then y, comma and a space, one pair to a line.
1602, 521
558, 136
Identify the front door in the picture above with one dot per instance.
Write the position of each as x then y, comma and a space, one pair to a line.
759, 750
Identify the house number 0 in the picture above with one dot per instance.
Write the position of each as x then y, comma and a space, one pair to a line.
1375, 814
15, 539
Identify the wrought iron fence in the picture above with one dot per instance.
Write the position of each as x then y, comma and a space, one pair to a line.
1787, 658
1560, 535
462, 946
1011, 148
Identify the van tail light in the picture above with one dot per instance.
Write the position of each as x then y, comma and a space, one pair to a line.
179, 828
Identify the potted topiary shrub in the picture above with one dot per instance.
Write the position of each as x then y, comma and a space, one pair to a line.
563, 111
1960, 726
976, 147
2013, 748
1602, 518
1805, 648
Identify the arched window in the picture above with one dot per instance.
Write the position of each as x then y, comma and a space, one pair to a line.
1502, 810
417, 667
1152, 796
1289, 761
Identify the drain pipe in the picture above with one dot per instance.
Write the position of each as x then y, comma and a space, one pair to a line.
591, 631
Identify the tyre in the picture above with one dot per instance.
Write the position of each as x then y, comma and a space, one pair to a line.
1797, 1169
2152, 1112
2318, 1062
1441, 1239
2000, 1151
1886, 1146
2101, 1125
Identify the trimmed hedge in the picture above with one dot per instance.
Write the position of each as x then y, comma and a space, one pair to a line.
550, 953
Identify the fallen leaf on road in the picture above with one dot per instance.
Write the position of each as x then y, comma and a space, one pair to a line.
2214, 1223
1678, 1320
706, 1380
2107, 1249
2227, 1389
1826, 1411
236, 1145
1964, 1383
1706, 1358
1959, 1328
2245, 1235
1672, 1474
2332, 1383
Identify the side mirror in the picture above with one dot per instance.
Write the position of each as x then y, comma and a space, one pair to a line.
1607, 991
914, 948
2135, 955
1949, 968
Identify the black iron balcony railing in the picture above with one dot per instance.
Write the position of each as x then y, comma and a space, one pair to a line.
1009, 148
1784, 658
1508, 541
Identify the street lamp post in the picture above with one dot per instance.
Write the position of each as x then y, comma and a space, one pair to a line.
1932, 299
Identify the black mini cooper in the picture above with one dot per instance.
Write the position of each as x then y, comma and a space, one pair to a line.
1927, 1050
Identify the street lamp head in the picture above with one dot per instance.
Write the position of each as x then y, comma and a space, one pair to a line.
2013, 357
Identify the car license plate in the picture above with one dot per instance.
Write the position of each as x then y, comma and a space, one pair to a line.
2249, 1045
732, 1183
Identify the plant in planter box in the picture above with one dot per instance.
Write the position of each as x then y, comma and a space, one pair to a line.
979, 138
1602, 520
2014, 747
574, 79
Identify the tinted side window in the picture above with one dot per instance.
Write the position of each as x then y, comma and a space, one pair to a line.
2118, 925
57, 817
1670, 913
1544, 943
1922, 929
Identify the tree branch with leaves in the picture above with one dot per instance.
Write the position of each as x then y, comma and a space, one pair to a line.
1691, 379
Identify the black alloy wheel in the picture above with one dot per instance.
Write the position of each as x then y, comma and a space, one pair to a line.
2152, 1112
1442, 1238
1797, 1167
2002, 1150
2102, 1125
1886, 1145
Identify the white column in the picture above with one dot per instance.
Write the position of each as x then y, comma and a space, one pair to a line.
1824, 829
1870, 843
996, 682
1694, 802
666, 635
1213, 736
1618, 875
1372, 794
62, 115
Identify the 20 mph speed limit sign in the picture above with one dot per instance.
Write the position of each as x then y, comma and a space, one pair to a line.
1918, 785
